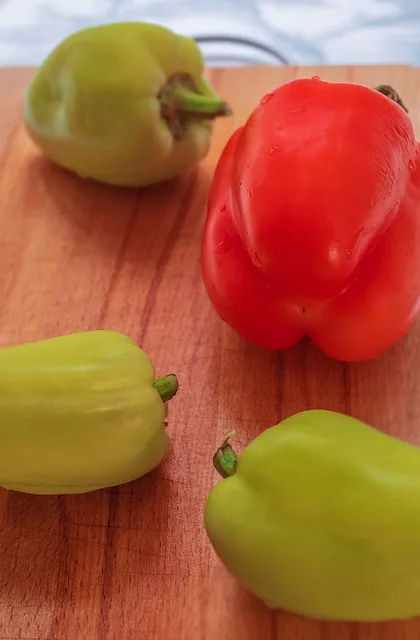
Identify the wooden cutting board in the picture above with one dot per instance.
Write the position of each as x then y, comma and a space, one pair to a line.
133, 563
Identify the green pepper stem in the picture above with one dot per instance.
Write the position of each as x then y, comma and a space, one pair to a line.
184, 97
185, 100
225, 460
166, 387
390, 93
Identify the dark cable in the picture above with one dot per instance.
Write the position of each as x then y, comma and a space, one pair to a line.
243, 41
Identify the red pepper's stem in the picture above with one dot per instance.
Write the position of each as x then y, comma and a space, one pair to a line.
225, 459
167, 387
390, 93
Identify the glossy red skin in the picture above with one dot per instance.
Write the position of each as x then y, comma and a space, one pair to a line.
313, 224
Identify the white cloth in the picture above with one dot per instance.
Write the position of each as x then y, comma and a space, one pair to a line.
294, 31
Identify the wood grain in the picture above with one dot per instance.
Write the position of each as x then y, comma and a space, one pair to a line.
133, 563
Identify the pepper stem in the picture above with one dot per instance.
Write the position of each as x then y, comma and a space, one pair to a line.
166, 387
186, 101
390, 93
225, 460
183, 97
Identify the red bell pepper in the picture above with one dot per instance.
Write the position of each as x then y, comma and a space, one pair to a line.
313, 223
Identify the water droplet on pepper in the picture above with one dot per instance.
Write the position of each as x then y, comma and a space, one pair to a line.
296, 111
223, 245
256, 260
266, 98
412, 165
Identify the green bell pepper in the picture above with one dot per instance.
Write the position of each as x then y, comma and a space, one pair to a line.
320, 516
123, 103
80, 412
